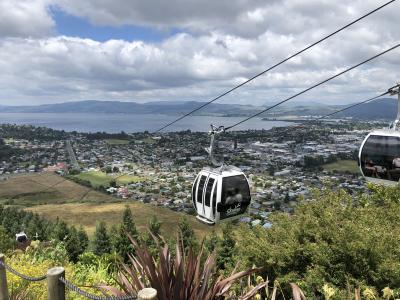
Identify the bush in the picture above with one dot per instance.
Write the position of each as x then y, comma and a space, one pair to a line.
333, 239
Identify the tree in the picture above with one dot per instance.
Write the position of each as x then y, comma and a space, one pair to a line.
61, 231
187, 232
121, 242
212, 242
6, 242
102, 242
333, 240
83, 239
72, 244
227, 247
154, 227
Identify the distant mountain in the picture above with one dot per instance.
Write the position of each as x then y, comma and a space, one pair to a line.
160, 107
383, 109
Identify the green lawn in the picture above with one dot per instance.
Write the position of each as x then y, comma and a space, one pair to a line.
9, 141
343, 166
98, 178
149, 141
116, 142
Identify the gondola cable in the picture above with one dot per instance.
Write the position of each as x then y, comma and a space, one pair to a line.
313, 86
215, 194
276, 65
388, 92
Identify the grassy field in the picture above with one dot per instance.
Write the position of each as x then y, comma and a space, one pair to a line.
98, 178
46, 188
51, 195
343, 166
116, 142
87, 214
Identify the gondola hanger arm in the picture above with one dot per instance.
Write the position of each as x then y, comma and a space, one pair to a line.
210, 150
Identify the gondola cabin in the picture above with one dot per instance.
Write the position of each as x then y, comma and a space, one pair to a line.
21, 237
219, 194
379, 157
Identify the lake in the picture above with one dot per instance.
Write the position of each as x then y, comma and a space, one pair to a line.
113, 123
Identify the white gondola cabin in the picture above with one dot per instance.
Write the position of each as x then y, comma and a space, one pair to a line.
379, 157
21, 237
219, 194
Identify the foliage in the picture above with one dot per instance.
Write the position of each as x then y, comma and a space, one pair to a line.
40, 257
227, 246
332, 240
188, 236
121, 242
184, 276
154, 230
6, 243
102, 241
212, 242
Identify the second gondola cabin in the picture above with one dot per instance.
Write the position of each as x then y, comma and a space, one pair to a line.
220, 194
379, 157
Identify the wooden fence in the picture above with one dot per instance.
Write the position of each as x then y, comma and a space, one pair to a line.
57, 285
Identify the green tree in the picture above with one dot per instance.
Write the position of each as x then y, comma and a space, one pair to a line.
72, 244
83, 239
101, 242
61, 231
212, 241
226, 248
335, 240
154, 227
6, 242
187, 232
121, 242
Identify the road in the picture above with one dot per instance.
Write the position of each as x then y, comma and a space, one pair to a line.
72, 156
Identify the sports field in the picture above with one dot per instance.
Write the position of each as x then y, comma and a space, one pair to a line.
343, 166
117, 142
98, 178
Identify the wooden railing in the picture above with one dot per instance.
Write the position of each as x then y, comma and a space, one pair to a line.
57, 285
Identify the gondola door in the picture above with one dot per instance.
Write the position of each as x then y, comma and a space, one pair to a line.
208, 194
200, 194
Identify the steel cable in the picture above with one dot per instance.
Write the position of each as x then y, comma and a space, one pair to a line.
314, 86
276, 65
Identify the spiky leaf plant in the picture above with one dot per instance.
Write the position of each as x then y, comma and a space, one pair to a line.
185, 276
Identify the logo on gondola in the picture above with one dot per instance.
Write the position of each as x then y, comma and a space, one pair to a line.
233, 211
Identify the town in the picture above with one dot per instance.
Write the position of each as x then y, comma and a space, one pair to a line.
284, 165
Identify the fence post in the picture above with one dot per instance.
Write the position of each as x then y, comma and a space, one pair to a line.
147, 294
55, 288
3, 280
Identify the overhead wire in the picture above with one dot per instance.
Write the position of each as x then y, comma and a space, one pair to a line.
313, 86
276, 65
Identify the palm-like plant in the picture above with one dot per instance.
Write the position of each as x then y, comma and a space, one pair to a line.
182, 277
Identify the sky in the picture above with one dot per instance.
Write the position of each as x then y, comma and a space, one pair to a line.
55, 51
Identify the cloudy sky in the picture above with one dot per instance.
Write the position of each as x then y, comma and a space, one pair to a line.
68, 50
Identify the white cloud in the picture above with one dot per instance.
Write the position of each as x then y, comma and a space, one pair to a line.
228, 41
25, 18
